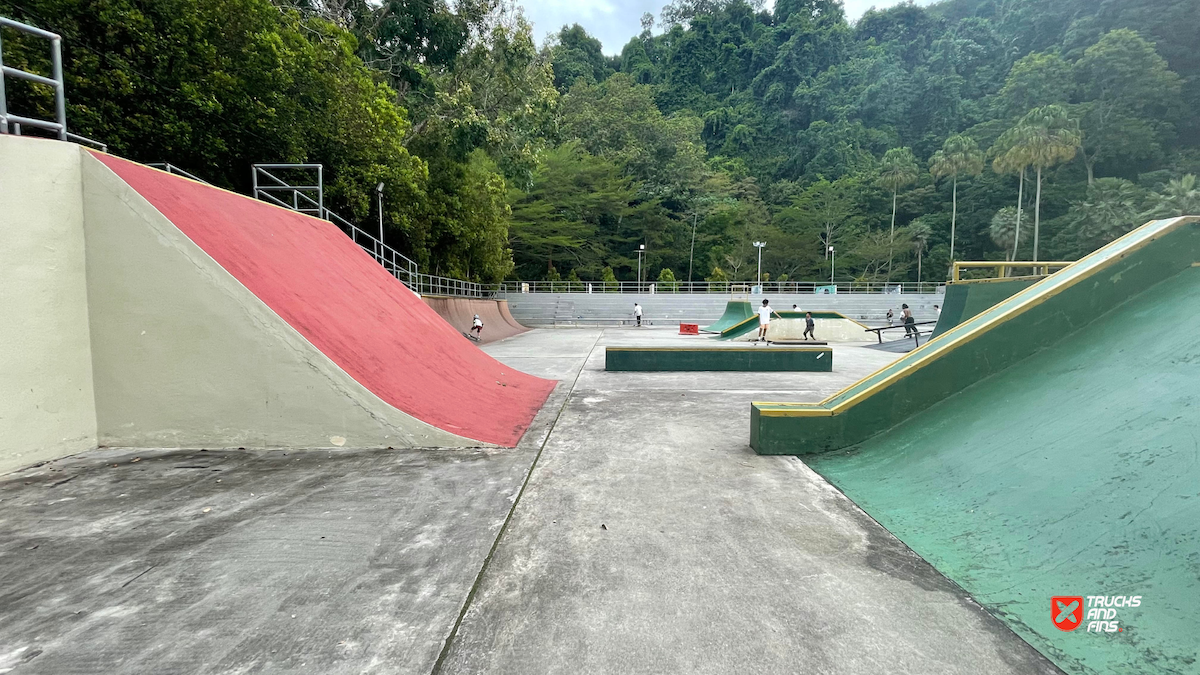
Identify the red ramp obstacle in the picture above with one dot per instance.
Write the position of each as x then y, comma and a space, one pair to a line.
351, 309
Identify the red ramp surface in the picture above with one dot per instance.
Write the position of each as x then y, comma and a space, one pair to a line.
351, 309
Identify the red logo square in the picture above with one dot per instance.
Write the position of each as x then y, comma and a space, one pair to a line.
1066, 611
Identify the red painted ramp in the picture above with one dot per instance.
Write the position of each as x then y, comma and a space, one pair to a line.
349, 307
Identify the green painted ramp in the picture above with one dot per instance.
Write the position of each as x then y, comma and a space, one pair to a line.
736, 311
965, 299
1075, 472
985, 345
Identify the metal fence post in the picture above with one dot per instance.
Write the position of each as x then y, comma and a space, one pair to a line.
60, 89
3, 101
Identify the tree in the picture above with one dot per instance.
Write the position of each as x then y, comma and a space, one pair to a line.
898, 169
1113, 207
1130, 97
1035, 80
959, 155
609, 279
1180, 197
1044, 138
1007, 160
1004, 230
826, 207
919, 233
666, 280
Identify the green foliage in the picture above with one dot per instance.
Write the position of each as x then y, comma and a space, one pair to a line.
732, 124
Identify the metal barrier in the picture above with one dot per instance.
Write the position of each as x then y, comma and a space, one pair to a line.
10, 123
171, 168
723, 287
1003, 267
310, 199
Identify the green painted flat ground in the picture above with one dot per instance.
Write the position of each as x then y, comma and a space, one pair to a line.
1074, 472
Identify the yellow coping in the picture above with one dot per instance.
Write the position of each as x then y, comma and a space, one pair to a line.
994, 279
967, 331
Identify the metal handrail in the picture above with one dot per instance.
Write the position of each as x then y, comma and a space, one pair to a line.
299, 193
719, 287
397, 264
10, 123
171, 168
1002, 267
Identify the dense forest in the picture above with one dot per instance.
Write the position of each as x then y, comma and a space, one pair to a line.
970, 129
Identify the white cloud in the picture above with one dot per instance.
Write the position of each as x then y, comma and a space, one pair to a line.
614, 22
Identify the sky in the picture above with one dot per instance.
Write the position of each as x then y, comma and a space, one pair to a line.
613, 22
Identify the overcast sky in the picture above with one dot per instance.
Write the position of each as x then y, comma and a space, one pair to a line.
615, 21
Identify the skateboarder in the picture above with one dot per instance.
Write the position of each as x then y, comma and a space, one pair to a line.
477, 326
637, 313
910, 324
809, 326
764, 320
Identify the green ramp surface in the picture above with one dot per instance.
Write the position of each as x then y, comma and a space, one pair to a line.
988, 343
965, 299
1075, 472
736, 311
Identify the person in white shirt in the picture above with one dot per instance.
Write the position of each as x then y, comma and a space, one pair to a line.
637, 313
477, 326
764, 319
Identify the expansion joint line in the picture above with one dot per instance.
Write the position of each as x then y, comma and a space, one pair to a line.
437, 666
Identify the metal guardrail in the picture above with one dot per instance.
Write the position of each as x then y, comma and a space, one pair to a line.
310, 199
171, 168
723, 287
12, 124
1002, 267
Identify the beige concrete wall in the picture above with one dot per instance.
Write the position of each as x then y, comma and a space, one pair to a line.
185, 356
46, 397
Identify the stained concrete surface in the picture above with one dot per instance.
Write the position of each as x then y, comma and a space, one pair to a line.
649, 539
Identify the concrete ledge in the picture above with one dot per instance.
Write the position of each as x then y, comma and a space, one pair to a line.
747, 359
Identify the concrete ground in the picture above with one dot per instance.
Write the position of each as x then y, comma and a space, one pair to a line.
632, 531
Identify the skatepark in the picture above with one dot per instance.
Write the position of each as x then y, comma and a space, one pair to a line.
240, 444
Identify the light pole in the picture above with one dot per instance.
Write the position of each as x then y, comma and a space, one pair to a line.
641, 250
379, 192
760, 245
832, 263
692, 255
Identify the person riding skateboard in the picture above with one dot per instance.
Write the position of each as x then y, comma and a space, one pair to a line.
477, 326
809, 327
764, 320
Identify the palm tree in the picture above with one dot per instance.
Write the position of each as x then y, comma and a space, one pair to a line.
1044, 138
899, 169
920, 231
1005, 230
959, 155
1011, 162
1180, 197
